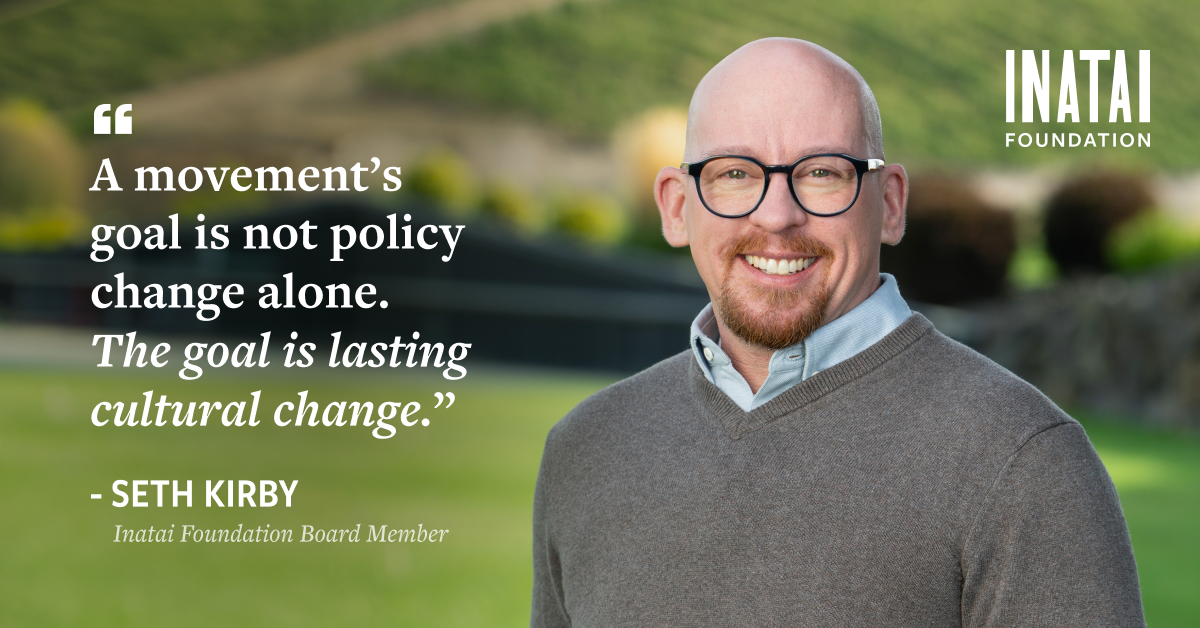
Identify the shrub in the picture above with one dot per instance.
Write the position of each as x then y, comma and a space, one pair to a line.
445, 178
643, 146
956, 248
1151, 239
40, 178
512, 205
591, 217
1082, 215
1031, 267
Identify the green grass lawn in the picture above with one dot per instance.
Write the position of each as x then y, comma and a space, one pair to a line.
937, 67
1157, 473
471, 471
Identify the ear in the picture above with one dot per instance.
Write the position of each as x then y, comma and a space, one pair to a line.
669, 193
895, 203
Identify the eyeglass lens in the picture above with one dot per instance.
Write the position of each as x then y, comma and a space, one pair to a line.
824, 184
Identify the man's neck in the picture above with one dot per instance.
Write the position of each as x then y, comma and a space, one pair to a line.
753, 361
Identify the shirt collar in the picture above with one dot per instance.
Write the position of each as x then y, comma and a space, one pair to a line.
838, 340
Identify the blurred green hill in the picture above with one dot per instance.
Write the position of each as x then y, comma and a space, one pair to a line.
73, 54
937, 67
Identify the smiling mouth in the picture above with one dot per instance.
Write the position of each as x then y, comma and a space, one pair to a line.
772, 266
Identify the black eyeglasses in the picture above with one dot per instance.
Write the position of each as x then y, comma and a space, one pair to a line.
827, 184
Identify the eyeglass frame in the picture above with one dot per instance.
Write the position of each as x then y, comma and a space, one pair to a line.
861, 167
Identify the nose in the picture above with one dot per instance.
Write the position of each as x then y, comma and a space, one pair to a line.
778, 211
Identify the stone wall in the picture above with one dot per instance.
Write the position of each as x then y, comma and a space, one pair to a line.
1126, 346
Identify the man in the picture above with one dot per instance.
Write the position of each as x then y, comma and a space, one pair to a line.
821, 456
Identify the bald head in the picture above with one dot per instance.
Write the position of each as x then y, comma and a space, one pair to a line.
779, 101
777, 81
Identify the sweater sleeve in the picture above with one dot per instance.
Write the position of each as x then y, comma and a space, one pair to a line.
548, 602
1049, 546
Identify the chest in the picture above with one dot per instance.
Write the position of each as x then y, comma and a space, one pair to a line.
763, 530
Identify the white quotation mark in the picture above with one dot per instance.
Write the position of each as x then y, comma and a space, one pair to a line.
102, 124
441, 398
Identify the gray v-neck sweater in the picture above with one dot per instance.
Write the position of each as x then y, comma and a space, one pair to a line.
914, 484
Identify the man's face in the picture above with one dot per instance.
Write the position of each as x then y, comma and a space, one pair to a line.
778, 113
778, 119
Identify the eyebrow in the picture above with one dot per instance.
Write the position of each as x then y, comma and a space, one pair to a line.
746, 151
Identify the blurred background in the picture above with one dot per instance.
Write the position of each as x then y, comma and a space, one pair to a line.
540, 124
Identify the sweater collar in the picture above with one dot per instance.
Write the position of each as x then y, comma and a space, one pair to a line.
845, 336
739, 422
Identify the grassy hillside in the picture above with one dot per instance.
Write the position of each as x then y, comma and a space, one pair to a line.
73, 54
937, 67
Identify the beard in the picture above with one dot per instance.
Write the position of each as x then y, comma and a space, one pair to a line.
765, 328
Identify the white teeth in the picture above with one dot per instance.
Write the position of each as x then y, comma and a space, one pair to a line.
779, 266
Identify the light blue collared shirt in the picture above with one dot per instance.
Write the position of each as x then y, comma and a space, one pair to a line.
830, 344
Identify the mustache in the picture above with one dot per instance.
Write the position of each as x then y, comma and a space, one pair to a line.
795, 242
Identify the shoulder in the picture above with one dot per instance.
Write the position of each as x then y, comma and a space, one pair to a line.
976, 426
966, 391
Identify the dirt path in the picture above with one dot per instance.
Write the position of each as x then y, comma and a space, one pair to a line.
325, 75
312, 107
